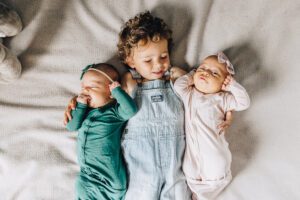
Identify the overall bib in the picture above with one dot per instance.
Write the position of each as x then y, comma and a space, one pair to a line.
154, 144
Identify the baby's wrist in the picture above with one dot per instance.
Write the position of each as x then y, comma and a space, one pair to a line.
114, 85
80, 100
81, 105
114, 88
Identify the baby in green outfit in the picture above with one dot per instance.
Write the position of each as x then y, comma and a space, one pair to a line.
100, 115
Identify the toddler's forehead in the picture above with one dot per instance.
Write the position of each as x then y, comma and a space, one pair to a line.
150, 47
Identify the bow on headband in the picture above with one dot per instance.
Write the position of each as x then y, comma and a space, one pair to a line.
86, 69
222, 58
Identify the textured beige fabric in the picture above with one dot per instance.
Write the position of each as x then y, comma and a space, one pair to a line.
60, 37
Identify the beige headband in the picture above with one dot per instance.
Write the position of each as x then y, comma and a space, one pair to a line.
103, 73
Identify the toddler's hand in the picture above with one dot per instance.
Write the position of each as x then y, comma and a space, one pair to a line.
228, 120
227, 82
71, 106
176, 72
114, 85
82, 98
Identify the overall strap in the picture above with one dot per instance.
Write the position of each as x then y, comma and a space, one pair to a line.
167, 74
136, 76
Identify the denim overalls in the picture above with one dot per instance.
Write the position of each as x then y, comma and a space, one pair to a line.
154, 143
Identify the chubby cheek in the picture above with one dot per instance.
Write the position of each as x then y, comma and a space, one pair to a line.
167, 63
196, 76
143, 69
96, 96
146, 73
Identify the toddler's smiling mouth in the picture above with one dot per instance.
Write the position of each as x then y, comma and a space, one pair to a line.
158, 73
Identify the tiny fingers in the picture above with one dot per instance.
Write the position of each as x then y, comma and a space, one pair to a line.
68, 113
67, 116
223, 87
113, 85
73, 103
223, 126
227, 80
65, 120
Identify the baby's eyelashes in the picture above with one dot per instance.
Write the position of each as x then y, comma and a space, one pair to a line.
199, 70
164, 57
214, 73
89, 87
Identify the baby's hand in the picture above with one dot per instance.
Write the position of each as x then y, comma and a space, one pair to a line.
114, 85
227, 82
82, 98
227, 121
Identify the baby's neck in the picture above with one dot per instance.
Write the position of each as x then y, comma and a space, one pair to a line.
104, 103
207, 93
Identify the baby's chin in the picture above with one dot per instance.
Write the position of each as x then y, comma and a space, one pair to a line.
98, 104
91, 104
206, 90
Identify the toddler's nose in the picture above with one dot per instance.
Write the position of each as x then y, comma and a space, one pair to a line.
158, 66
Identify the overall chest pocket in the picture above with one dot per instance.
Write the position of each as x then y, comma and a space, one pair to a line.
162, 105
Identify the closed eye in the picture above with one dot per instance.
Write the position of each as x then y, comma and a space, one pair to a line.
94, 86
164, 57
88, 88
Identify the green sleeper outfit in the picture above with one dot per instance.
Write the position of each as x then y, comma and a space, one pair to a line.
102, 169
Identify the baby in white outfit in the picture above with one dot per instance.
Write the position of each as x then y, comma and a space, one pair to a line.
208, 93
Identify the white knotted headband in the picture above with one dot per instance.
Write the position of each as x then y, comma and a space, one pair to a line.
222, 58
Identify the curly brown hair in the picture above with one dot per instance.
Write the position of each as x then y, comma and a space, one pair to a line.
140, 29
